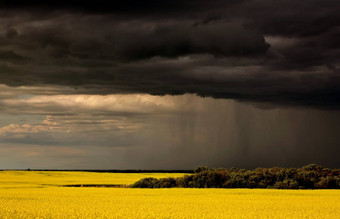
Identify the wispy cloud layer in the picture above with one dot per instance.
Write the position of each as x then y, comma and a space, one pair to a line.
144, 131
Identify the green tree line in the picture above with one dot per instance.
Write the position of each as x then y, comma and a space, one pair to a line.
308, 177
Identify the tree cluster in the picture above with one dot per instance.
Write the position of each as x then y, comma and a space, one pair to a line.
308, 177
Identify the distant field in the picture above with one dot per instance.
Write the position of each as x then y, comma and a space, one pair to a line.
38, 195
21, 179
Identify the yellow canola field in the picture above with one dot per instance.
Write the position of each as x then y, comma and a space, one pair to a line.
29, 179
82, 202
61, 202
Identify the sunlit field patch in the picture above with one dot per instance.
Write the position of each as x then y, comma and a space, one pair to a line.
70, 202
15, 179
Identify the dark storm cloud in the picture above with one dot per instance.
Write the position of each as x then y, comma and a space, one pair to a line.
292, 18
283, 52
114, 6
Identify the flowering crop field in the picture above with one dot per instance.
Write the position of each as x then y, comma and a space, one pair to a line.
29, 179
45, 199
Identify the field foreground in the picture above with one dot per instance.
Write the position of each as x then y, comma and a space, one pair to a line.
80, 202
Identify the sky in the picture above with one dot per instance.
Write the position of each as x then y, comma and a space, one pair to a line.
169, 84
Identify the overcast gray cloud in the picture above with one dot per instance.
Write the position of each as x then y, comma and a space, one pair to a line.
144, 131
171, 132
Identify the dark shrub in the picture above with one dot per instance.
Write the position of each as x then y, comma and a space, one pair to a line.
308, 177
166, 183
200, 169
146, 183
